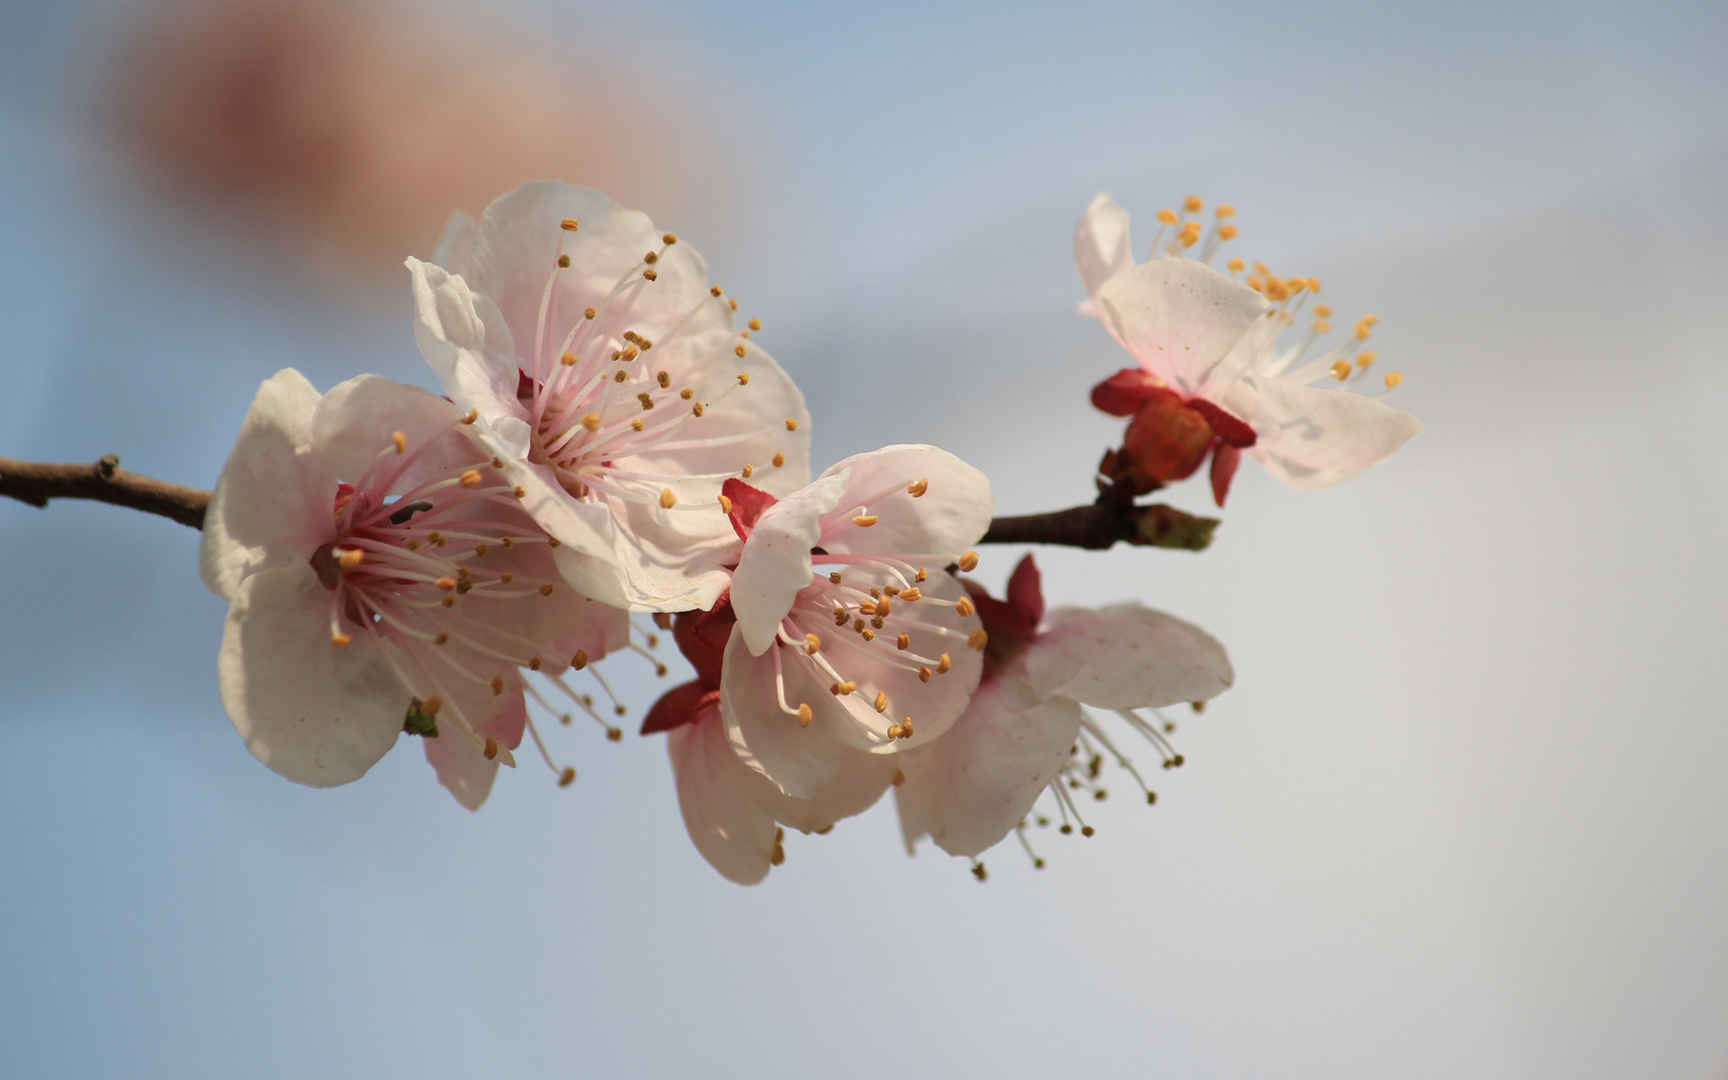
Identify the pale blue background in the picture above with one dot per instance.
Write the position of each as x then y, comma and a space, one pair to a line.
1463, 814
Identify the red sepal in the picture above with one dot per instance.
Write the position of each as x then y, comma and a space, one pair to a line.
748, 504
677, 707
1123, 393
1226, 427
1225, 458
702, 635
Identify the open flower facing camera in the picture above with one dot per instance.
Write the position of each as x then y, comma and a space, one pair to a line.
399, 563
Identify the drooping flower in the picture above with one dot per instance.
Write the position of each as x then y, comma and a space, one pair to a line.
732, 812
1211, 375
1026, 733
608, 376
851, 635
382, 576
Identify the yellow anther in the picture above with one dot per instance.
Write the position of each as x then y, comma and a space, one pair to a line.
650, 275
1262, 269
629, 353
779, 461
978, 639
615, 734
441, 639
1256, 284
1313, 284
725, 504
867, 634
1341, 369
1188, 239
906, 727
893, 731
491, 749
791, 424
651, 258
589, 313
534, 663
714, 290
591, 421
687, 393
732, 302
1366, 358
580, 660
637, 425
1224, 210
868, 607
739, 351
569, 359
1363, 329
471, 478
1322, 326
1235, 266
755, 324
812, 644
943, 663
546, 589
969, 561
921, 575
743, 378
864, 521
1393, 378
918, 487
445, 583
1322, 311
1226, 232
834, 577
568, 224
644, 399
448, 601
746, 471
340, 639
1167, 217
1193, 204
519, 491
667, 499
964, 607
567, 777
903, 642
563, 262
432, 705
350, 559
668, 238
472, 415
497, 685
697, 409
1295, 284
884, 605
399, 441
805, 714
910, 595
881, 701
1370, 320
924, 674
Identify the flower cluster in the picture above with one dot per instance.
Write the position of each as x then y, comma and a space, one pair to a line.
454, 568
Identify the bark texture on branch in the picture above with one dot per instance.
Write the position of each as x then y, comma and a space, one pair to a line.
1113, 519
37, 483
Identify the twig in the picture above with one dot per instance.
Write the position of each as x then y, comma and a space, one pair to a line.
36, 483
1113, 519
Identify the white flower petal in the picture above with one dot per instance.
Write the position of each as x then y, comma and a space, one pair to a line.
1124, 657
801, 761
1178, 317
775, 565
314, 713
358, 419
477, 368
968, 789
721, 800
1103, 245
1313, 438
269, 508
462, 766
951, 515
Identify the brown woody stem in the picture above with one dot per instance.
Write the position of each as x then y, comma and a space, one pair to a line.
1111, 520
36, 483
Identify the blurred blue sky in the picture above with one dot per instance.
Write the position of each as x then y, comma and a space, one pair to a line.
1460, 816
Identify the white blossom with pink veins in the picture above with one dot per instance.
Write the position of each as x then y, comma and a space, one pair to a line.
1024, 732
852, 640
609, 378
1212, 339
382, 575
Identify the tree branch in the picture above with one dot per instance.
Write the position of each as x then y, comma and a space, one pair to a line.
1113, 519
36, 483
